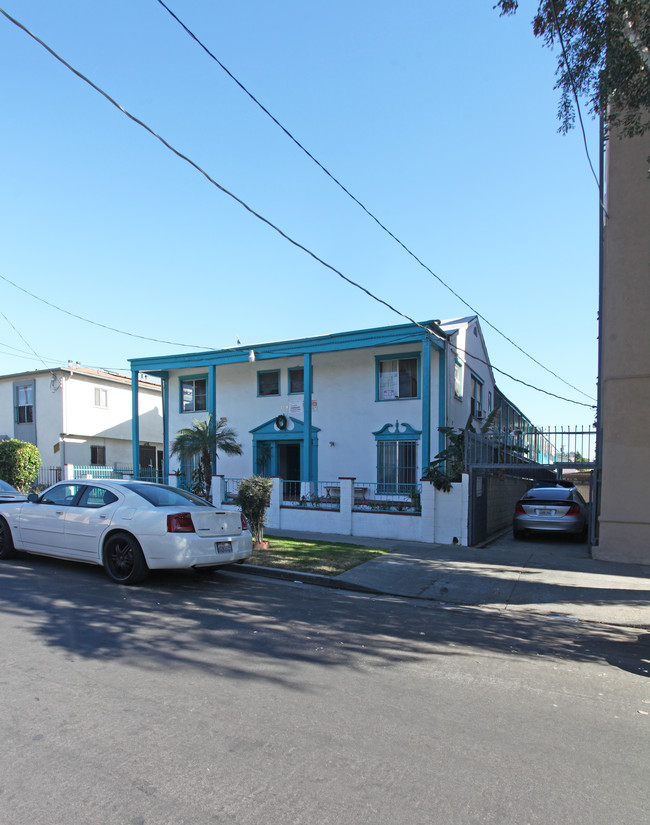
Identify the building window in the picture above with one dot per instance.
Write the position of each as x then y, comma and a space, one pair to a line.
194, 394
396, 466
296, 380
458, 379
25, 403
397, 458
489, 408
397, 378
476, 406
98, 455
268, 382
101, 397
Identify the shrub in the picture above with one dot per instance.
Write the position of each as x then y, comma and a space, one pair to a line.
254, 496
20, 462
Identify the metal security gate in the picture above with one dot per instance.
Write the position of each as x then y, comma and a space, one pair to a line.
502, 466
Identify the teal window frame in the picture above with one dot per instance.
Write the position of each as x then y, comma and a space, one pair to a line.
294, 371
194, 379
395, 472
400, 356
268, 394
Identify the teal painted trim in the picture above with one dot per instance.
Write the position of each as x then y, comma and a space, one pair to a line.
302, 369
426, 405
135, 424
408, 433
398, 356
359, 339
442, 395
165, 413
202, 376
269, 395
269, 432
211, 403
308, 464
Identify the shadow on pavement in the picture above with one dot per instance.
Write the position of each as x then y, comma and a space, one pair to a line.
183, 620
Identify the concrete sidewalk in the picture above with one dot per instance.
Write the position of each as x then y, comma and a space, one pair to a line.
541, 575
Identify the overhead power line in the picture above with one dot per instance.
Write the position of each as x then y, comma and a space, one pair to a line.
97, 323
270, 224
362, 206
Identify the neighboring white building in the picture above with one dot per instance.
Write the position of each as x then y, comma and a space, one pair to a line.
77, 415
364, 404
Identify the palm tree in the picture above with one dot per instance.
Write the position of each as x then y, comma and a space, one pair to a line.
204, 439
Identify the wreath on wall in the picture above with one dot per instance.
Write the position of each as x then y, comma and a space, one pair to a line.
281, 422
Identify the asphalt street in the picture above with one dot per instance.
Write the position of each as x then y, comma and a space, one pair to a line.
234, 699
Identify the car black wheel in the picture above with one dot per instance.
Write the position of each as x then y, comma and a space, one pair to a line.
518, 534
124, 561
7, 550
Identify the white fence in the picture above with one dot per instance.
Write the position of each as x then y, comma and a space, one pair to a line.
442, 518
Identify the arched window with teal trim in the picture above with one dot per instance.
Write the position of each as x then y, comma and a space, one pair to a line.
397, 458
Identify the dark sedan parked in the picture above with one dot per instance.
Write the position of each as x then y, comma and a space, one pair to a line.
554, 509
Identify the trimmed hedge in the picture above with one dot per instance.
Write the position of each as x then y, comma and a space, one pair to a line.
20, 462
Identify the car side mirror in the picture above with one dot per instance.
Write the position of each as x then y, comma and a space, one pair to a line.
32, 497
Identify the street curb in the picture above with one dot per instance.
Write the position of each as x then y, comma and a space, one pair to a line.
304, 578
327, 581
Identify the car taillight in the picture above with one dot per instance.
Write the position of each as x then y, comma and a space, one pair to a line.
244, 523
573, 510
180, 523
519, 508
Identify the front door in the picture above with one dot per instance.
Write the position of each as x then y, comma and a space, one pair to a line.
289, 460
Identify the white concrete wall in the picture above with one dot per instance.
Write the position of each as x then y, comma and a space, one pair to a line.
443, 519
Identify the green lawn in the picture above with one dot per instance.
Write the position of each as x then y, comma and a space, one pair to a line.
328, 558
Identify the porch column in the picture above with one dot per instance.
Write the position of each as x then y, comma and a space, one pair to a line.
426, 404
135, 424
164, 387
212, 406
306, 469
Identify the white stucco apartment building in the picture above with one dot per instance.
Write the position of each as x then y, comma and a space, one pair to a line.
365, 404
82, 416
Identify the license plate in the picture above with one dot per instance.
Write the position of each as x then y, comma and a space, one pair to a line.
223, 546
546, 512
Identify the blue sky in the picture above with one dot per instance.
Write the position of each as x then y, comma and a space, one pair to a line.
439, 117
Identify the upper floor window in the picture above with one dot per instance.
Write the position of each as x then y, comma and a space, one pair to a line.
296, 380
25, 403
397, 378
101, 397
268, 382
458, 379
476, 406
194, 394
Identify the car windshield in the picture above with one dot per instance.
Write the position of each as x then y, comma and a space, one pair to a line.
160, 495
556, 493
7, 487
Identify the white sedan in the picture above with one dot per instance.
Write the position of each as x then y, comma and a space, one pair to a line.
129, 527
